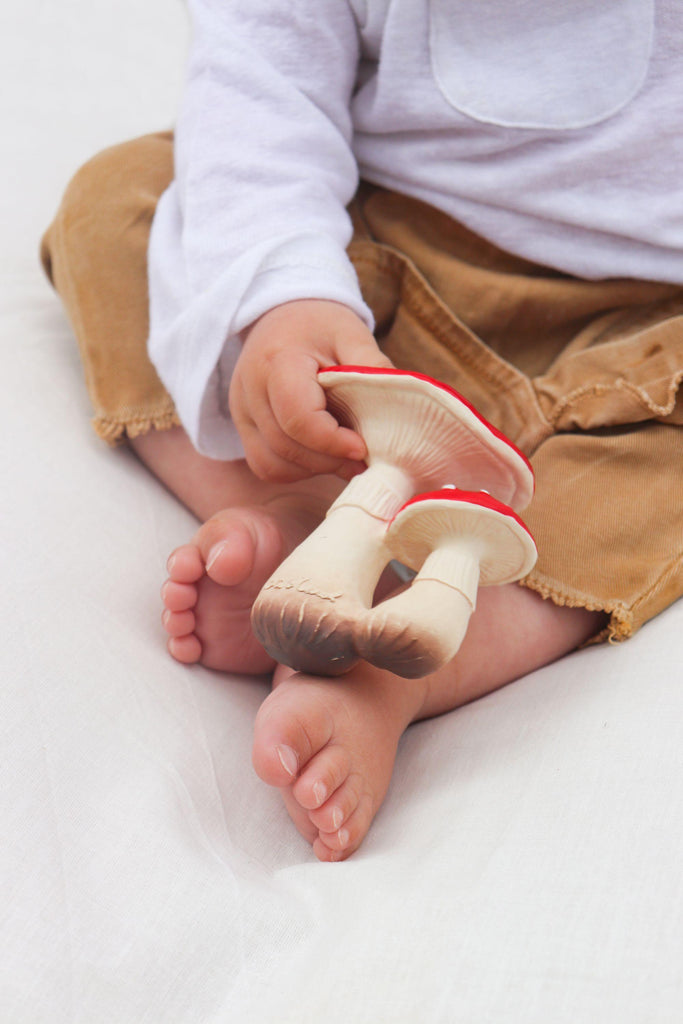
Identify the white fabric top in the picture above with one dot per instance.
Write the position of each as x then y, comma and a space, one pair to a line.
553, 130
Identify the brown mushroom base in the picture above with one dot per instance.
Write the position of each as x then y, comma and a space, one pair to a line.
416, 632
308, 632
411, 634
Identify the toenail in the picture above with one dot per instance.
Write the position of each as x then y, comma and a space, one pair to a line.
215, 552
337, 818
343, 836
288, 760
320, 793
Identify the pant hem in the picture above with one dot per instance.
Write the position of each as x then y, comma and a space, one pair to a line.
114, 430
621, 619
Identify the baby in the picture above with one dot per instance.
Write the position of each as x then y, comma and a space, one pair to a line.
479, 193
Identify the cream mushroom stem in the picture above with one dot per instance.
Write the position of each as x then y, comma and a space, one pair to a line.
456, 540
381, 490
306, 614
422, 628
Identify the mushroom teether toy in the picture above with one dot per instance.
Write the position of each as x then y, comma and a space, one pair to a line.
420, 436
456, 540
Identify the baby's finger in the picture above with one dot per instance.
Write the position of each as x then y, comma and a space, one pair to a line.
299, 406
273, 456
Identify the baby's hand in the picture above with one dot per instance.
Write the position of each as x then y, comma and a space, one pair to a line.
276, 401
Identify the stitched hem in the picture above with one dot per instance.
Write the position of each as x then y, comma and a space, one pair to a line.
625, 620
115, 430
659, 412
621, 622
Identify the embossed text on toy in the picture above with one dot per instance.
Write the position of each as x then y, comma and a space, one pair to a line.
302, 587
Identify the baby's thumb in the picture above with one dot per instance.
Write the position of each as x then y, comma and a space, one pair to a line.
363, 350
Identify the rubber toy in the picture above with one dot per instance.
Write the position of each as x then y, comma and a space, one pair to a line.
441, 495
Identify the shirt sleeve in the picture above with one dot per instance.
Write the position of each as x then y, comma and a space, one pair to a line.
256, 215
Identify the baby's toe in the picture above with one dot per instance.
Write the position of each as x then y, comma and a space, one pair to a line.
322, 776
185, 564
342, 804
178, 597
186, 649
344, 841
178, 623
236, 547
227, 546
288, 733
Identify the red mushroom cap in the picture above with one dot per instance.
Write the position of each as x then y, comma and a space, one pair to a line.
435, 433
504, 544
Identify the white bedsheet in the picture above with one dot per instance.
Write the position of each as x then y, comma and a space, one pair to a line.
526, 866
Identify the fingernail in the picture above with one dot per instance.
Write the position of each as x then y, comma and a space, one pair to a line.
288, 760
337, 818
343, 836
170, 563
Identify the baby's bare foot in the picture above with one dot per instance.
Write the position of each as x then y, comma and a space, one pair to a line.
330, 745
214, 580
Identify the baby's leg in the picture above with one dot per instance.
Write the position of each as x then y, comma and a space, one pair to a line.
249, 527
330, 744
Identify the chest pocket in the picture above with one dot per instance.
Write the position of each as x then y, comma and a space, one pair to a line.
558, 65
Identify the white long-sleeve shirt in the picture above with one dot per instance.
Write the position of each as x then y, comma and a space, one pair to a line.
555, 130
